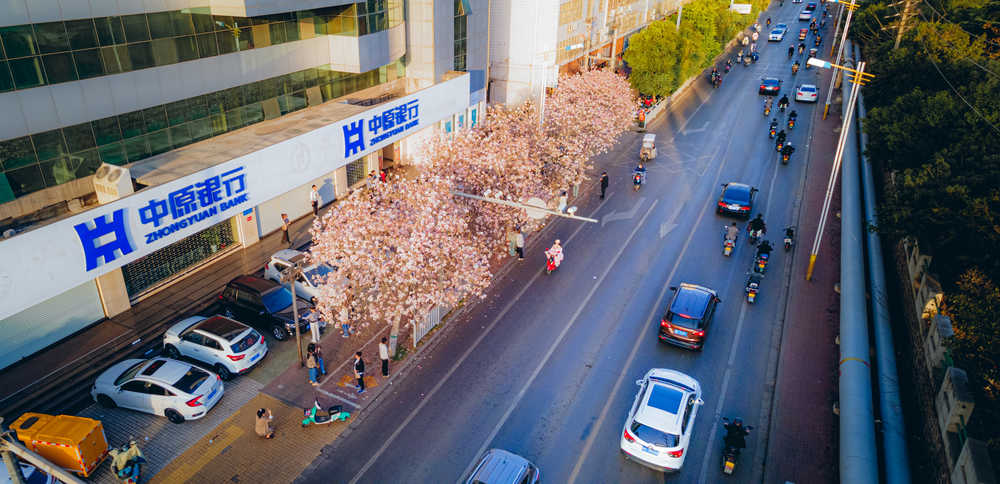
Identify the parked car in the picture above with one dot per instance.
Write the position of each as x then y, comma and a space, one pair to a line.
769, 86
498, 466
313, 276
777, 34
266, 305
227, 346
659, 424
160, 386
736, 199
689, 316
806, 93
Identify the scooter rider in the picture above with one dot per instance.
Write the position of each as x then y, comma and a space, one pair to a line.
764, 248
555, 253
783, 102
788, 150
732, 232
757, 224
781, 137
791, 51
793, 115
736, 434
802, 47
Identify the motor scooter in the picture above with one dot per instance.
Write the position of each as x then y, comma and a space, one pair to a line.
789, 238
760, 263
754, 236
126, 463
316, 415
727, 244
753, 286
730, 453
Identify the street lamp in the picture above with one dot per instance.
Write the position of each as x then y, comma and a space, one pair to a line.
535, 207
851, 7
289, 275
859, 78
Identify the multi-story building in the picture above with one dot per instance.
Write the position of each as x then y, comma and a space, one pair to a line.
532, 42
142, 139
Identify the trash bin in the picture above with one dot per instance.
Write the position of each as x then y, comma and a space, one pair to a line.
76, 444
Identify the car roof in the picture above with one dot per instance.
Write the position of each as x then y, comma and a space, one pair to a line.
807, 87
222, 326
164, 370
254, 283
661, 408
291, 255
184, 324
734, 190
499, 466
691, 300
770, 79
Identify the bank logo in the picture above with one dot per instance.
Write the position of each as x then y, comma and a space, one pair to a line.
381, 126
96, 243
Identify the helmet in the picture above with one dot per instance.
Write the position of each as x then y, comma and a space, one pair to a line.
557, 241
738, 421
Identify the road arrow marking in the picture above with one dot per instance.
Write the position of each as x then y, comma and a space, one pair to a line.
630, 214
670, 223
686, 132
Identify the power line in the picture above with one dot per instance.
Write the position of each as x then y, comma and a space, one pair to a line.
973, 108
968, 58
956, 24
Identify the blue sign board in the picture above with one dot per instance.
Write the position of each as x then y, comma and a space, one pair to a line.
380, 126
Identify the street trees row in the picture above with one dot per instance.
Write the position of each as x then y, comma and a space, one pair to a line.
408, 244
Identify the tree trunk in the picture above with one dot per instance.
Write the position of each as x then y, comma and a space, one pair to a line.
394, 335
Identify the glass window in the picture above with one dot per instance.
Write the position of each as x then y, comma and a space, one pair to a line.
196, 108
291, 31
79, 137
132, 124
160, 25
17, 152
180, 136
6, 83
202, 22
187, 48
223, 22
136, 148
141, 55
251, 92
261, 35
18, 41
164, 51
51, 37
182, 23
88, 63
49, 144
252, 113
25, 180
200, 129
59, 68
110, 30
159, 142
116, 59
113, 154
156, 118
277, 33
227, 42
245, 39
135, 27
176, 112
61, 170
234, 119
207, 46
362, 25
106, 130
233, 97
82, 34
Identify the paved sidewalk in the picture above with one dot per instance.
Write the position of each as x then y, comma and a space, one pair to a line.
802, 442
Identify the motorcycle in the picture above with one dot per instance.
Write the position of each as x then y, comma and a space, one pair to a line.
760, 263
126, 463
782, 106
784, 158
316, 415
638, 178
727, 244
778, 146
767, 110
795, 68
791, 123
727, 67
772, 132
755, 236
730, 453
789, 238
753, 286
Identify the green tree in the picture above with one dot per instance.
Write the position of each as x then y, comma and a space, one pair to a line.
652, 54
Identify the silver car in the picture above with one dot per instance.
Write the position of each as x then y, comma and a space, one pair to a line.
498, 466
229, 347
313, 276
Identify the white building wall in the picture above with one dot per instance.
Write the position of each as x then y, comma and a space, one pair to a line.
524, 39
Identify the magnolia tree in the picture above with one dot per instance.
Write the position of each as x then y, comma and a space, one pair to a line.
400, 248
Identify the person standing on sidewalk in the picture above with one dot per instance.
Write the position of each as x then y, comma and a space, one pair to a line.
317, 352
285, 224
562, 202
313, 319
359, 371
604, 183
519, 244
383, 354
262, 424
311, 365
314, 200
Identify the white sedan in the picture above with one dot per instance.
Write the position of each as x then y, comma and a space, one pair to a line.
777, 35
659, 425
806, 93
229, 347
306, 285
160, 386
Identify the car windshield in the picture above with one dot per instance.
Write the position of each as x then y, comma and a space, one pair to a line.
684, 321
191, 380
734, 195
246, 342
277, 299
317, 275
129, 373
653, 436
807, 89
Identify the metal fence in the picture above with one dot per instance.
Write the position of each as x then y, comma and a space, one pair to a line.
432, 319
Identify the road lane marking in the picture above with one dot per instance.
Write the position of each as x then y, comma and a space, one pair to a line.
556, 343
625, 215
399, 429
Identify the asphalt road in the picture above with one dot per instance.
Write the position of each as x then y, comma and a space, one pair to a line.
546, 366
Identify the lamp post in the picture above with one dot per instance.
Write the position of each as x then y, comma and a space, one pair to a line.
859, 78
851, 7
288, 276
535, 207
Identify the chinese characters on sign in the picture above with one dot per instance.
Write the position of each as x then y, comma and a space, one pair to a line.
182, 208
381, 126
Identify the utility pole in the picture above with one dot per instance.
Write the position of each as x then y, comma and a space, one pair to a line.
680, 10
902, 22
289, 275
840, 52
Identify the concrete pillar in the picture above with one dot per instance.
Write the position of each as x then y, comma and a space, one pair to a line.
340, 182
246, 227
114, 296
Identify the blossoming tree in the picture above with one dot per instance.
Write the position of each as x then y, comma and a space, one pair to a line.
403, 246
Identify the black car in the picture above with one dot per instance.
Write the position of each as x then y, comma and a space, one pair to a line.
811, 6
688, 316
770, 85
266, 305
736, 199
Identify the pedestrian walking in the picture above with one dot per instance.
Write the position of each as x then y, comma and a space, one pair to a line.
285, 224
312, 366
381, 176
317, 351
345, 323
562, 202
383, 354
314, 200
519, 244
262, 424
604, 183
359, 371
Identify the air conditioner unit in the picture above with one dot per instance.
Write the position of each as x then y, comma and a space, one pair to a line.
112, 182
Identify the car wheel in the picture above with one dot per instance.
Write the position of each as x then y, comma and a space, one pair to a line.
279, 333
106, 401
173, 416
223, 372
172, 352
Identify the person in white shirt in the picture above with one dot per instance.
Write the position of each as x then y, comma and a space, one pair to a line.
383, 354
314, 200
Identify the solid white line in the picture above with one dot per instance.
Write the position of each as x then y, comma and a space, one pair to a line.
555, 344
338, 397
454, 367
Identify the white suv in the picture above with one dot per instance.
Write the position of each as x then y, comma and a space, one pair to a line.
229, 347
658, 428
307, 285
160, 386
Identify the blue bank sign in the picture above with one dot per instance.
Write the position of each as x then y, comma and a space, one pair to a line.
50, 260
